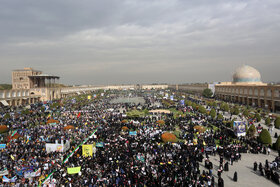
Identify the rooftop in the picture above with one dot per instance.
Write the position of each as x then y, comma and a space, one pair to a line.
44, 76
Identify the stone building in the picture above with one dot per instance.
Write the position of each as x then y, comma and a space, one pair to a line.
20, 78
29, 78
248, 89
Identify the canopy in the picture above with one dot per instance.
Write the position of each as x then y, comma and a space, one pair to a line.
4, 102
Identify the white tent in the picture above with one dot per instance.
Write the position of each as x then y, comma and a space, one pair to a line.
4, 102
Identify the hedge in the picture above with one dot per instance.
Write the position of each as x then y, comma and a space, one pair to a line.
277, 123
265, 137
52, 121
168, 137
124, 128
213, 113
267, 121
251, 131
3, 129
220, 117
160, 122
277, 144
200, 129
258, 117
68, 127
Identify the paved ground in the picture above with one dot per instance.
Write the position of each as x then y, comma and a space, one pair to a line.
134, 100
262, 122
247, 177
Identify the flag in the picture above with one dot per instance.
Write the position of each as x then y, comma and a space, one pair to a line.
79, 115
87, 150
74, 170
14, 133
5, 179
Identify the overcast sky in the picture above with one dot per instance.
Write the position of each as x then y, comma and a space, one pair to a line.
140, 41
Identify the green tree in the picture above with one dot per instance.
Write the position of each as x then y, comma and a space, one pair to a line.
201, 109
231, 123
146, 112
277, 144
7, 116
214, 104
258, 117
235, 110
267, 121
265, 137
207, 93
188, 103
277, 123
213, 113
251, 131
193, 105
220, 117
225, 107
245, 113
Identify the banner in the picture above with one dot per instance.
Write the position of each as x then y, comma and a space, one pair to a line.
4, 172
19, 172
100, 144
33, 174
239, 128
45, 180
74, 170
182, 102
57, 147
132, 133
87, 150
2, 146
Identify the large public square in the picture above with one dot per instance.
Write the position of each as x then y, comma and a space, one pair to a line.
135, 138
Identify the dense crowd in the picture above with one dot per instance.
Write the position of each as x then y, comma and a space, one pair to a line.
123, 159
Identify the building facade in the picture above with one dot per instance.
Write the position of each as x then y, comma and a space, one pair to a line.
28, 78
246, 88
21, 80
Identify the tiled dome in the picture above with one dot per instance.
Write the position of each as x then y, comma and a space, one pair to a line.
246, 74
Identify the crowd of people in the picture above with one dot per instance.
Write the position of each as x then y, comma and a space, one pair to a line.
119, 157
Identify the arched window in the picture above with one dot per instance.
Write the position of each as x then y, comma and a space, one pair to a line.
262, 92
268, 93
256, 92
250, 91
277, 93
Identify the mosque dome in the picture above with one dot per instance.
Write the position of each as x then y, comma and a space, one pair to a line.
246, 74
